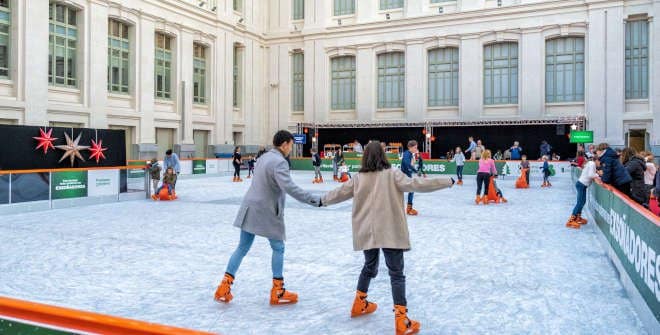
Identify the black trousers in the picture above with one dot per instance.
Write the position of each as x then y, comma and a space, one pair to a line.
237, 170
483, 178
394, 261
624, 188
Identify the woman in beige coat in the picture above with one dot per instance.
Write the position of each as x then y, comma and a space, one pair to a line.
379, 222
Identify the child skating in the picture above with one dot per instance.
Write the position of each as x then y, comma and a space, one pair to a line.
236, 161
379, 223
169, 180
523, 181
459, 159
589, 173
316, 163
545, 169
262, 214
408, 169
344, 174
251, 162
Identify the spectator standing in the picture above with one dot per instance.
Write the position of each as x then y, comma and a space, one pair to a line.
479, 150
545, 149
636, 166
357, 147
612, 171
171, 160
336, 162
651, 170
591, 152
471, 149
516, 151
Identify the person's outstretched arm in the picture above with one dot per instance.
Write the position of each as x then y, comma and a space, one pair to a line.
340, 194
284, 181
405, 184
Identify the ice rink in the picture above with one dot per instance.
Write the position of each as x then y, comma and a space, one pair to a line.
499, 269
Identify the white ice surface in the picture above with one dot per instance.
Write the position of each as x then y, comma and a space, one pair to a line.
501, 269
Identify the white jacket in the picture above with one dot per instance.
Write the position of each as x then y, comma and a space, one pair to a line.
588, 174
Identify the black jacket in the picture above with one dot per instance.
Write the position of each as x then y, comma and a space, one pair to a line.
316, 160
636, 167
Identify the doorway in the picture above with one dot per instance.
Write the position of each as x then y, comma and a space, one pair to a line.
128, 134
165, 140
238, 138
638, 139
201, 138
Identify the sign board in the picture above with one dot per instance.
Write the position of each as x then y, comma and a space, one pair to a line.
69, 184
211, 166
582, 136
300, 138
102, 182
199, 166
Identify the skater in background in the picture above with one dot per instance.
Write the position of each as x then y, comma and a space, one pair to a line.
336, 162
498, 155
169, 181
236, 161
420, 166
636, 166
545, 169
379, 223
408, 169
486, 170
516, 151
479, 150
589, 173
251, 162
459, 159
316, 163
613, 172
471, 147
545, 149
344, 173
154, 173
357, 147
524, 164
262, 213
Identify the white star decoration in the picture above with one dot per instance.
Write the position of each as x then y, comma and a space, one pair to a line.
72, 149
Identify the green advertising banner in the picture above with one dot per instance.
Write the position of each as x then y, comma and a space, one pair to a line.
136, 173
199, 166
69, 184
11, 327
430, 166
582, 136
635, 239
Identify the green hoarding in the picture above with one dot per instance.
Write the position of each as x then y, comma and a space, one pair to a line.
11, 327
634, 238
430, 166
69, 184
199, 166
582, 136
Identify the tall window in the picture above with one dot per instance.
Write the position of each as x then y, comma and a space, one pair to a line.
118, 56
390, 4
637, 59
238, 5
62, 45
443, 77
343, 83
391, 80
199, 73
564, 69
298, 9
298, 87
5, 37
344, 7
501, 73
238, 80
440, 1
163, 71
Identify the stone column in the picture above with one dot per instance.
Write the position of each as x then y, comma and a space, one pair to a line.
595, 75
615, 75
34, 88
654, 75
414, 81
365, 83
366, 10
184, 105
98, 72
471, 82
144, 89
532, 97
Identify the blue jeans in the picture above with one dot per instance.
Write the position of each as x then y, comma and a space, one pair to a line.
277, 259
459, 172
581, 198
411, 195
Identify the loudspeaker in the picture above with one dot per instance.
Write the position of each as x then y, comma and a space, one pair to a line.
561, 129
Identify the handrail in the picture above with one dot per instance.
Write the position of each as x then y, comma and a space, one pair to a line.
84, 321
126, 167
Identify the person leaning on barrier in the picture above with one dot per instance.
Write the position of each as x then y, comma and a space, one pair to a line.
612, 171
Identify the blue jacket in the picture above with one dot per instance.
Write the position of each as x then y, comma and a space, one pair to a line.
614, 173
407, 164
546, 167
516, 153
171, 162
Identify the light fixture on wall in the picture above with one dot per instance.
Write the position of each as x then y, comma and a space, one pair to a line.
214, 8
202, 3
240, 20
499, 3
440, 10
339, 22
387, 16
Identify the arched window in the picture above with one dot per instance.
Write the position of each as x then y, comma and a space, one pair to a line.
501, 73
564, 69
443, 77
343, 83
391, 80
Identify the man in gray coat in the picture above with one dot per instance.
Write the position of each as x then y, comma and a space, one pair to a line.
262, 213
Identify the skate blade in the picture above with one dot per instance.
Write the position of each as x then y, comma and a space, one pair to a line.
283, 302
408, 332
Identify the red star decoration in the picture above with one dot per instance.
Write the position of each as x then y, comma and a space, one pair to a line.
97, 150
45, 140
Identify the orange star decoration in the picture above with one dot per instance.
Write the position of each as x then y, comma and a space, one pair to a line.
45, 140
97, 150
72, 149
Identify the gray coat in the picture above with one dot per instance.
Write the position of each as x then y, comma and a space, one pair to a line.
262, 210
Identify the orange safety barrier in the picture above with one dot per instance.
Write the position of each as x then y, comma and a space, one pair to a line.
133, 167
84, 321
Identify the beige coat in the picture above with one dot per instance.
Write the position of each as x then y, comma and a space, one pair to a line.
379, 219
